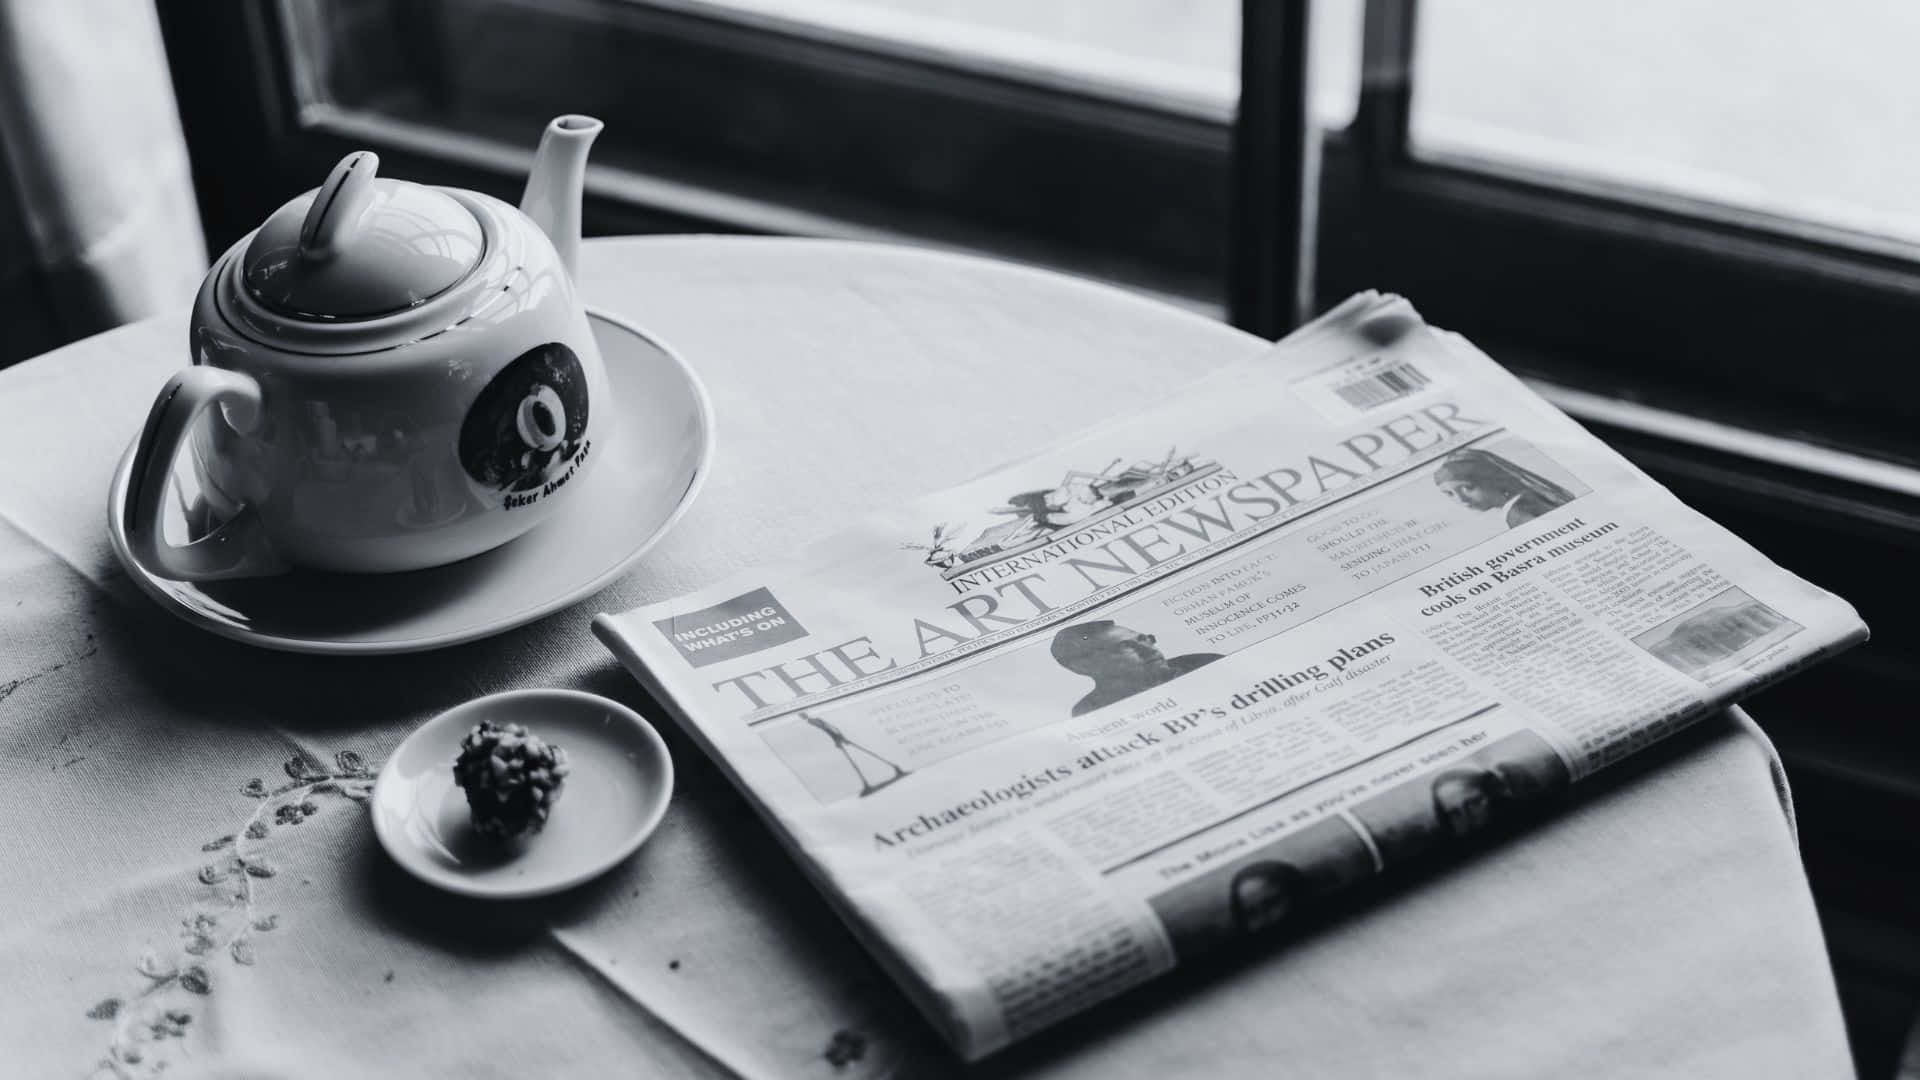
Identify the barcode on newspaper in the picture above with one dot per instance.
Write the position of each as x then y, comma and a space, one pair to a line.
1379, 387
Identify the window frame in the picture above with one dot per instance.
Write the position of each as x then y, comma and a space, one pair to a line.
1618, 290
254, 141
1600, 286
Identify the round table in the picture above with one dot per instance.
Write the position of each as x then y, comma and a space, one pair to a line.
1662, 924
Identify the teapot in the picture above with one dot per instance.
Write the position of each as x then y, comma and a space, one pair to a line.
386, 376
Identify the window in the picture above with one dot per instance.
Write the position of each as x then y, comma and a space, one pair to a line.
1645, 236
1620, 197
1092, 135
1704, 234
1796, 114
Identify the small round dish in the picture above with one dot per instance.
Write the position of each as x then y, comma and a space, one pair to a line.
615, 793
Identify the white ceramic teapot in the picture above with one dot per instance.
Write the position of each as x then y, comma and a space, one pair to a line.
404, 377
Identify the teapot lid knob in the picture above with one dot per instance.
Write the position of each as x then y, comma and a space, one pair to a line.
361, 246
339, 206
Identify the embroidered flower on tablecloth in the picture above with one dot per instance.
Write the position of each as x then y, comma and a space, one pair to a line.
147, 1021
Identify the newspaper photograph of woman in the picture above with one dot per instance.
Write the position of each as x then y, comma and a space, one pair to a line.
1121, 661
1464, 802
1258, 888
1482, 480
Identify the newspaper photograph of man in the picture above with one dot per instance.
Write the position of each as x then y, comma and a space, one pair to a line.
1481, 480
1464, 802
1265, 888
1262, 894
1718, 635
1121, 661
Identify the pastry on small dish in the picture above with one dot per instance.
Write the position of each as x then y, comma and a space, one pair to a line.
512, 778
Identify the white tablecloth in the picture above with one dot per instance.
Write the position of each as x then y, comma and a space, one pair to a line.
1662, 925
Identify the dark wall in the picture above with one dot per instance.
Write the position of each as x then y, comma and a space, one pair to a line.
27, 324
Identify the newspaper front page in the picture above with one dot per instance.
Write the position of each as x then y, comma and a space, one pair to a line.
1051, 733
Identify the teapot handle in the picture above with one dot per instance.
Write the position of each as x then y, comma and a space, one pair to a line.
239, 547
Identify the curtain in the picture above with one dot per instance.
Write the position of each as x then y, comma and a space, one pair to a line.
96, 168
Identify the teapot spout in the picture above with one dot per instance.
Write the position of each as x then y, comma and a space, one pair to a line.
552, 198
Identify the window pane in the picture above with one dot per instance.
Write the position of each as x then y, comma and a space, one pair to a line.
440, 55
1806, 111
1185, 53
1085, 134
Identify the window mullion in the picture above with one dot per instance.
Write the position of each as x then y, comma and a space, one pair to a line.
1275, 172
1383, 117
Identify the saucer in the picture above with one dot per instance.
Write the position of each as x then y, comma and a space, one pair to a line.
618, 782
655, 462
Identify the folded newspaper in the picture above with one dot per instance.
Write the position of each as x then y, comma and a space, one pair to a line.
1048, 734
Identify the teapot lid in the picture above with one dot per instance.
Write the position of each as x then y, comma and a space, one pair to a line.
360, 247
